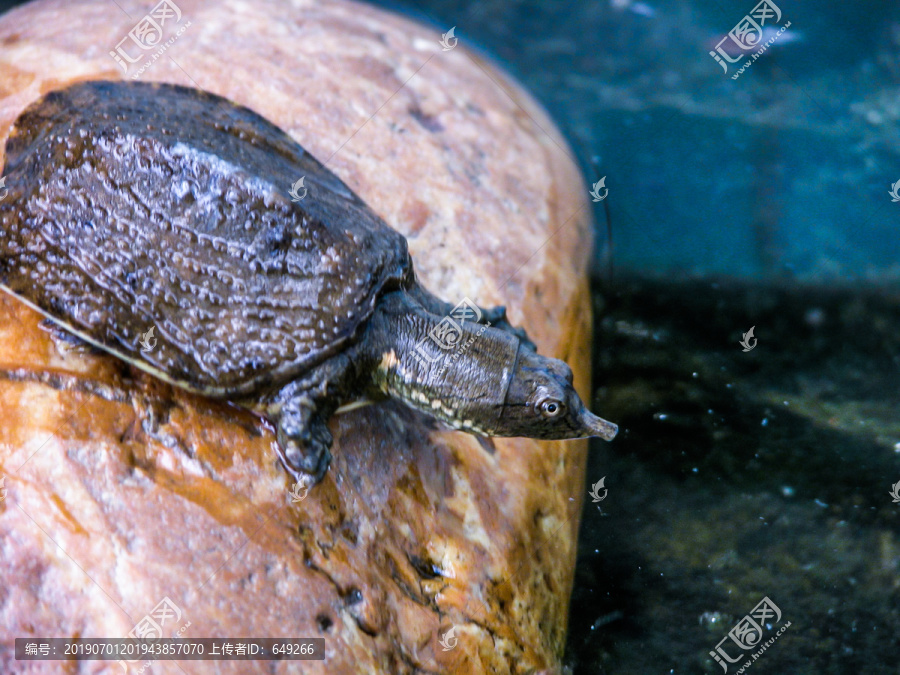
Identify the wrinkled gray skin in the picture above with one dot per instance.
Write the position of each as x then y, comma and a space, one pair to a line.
136, 205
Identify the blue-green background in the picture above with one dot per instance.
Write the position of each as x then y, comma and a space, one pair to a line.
783, 173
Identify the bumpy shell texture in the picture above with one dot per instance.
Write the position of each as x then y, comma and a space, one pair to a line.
139, 205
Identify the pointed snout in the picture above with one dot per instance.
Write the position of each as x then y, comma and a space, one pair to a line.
597, 426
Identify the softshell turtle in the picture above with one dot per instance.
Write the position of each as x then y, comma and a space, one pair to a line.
169, 227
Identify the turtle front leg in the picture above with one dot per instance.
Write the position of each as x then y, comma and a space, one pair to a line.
304, 441
301, 411
496, 316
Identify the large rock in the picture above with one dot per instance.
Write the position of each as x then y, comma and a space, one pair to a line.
122, 492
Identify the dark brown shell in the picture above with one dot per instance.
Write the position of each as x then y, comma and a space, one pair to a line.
134, 205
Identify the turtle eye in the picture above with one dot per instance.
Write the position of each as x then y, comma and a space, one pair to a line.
552, 408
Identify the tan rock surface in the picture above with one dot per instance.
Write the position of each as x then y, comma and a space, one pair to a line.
121, 491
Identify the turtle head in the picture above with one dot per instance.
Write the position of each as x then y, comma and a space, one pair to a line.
542, 403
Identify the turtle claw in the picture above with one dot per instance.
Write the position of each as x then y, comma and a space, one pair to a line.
66, 342
496, 316
307, 462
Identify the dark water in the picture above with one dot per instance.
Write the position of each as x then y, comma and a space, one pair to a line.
742, 475
762, 201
